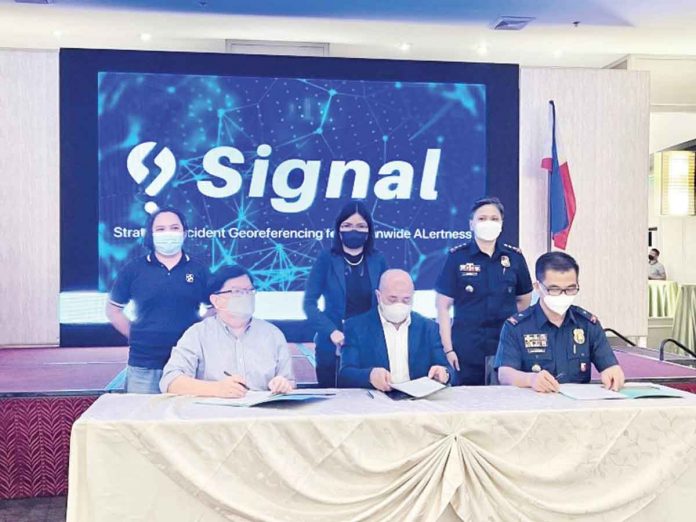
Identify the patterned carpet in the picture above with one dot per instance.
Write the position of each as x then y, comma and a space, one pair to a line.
45, 509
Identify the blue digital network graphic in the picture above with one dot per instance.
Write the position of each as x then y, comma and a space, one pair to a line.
261, 166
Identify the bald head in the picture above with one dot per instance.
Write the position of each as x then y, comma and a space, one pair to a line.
395, 286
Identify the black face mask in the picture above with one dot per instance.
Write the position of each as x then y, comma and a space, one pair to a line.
354, 239
651, 257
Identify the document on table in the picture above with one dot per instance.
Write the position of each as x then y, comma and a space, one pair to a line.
632, 390
419, 388
257, 398
588, 392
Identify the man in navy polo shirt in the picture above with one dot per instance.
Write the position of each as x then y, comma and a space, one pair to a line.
167, 287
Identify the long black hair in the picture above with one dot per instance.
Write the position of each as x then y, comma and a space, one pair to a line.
147, 240
354, 207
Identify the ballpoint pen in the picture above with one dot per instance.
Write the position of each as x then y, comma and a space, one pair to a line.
230, 375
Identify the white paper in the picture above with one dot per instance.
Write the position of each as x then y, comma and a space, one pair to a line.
250, 399
419, 388
588, 392
255, 398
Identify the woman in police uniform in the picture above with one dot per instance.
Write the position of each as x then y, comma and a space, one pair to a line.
167, 288
486, 282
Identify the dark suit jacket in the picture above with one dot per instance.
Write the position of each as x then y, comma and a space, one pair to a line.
365, 348
328, 278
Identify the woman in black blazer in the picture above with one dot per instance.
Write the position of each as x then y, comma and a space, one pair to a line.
346, 275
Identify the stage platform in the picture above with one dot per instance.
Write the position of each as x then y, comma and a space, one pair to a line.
44, 390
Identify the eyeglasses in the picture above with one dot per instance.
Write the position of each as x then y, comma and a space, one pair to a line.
348, 227
555, 291
237, 292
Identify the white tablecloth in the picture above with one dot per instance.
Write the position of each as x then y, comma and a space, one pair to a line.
473, 454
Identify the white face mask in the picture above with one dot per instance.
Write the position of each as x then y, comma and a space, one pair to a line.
488, 230
395, 312
559, 303
168, 243
241, 306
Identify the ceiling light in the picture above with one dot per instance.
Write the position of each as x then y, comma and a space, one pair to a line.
511, 23
145, 37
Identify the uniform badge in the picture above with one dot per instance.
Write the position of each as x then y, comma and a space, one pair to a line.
505, 261
536, 368
579, 336
469, 288
583, 366
189, 278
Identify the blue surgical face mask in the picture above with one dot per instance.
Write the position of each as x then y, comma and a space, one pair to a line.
168, 243
353, 238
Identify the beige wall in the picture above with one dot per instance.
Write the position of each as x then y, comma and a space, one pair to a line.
604, 118
604, 113
29, 192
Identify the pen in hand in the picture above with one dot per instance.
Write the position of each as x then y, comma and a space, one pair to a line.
241, 383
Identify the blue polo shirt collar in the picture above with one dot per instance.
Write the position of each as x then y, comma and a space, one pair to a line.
152, 258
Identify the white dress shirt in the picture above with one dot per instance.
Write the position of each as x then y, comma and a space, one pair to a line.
397, 348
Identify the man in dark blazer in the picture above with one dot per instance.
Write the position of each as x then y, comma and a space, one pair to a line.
390, 343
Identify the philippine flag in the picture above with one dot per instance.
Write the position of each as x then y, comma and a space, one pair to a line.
561, 194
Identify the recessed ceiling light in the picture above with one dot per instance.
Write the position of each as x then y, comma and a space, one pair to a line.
511, 23
405, 47
145, 37
482, 49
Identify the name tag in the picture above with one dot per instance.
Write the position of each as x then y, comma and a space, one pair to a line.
536, 343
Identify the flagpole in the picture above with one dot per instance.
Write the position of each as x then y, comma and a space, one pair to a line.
548, 181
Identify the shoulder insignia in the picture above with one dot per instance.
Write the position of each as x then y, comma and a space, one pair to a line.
458, 247
513, 248
587, 315
514, 320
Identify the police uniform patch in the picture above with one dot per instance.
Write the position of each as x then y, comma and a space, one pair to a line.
536, 343
579, 336
505, 261
469, 269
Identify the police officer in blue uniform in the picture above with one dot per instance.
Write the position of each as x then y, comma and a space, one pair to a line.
486, 282
553, 341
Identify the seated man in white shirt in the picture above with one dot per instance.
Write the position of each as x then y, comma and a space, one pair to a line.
231, 352
390, 343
